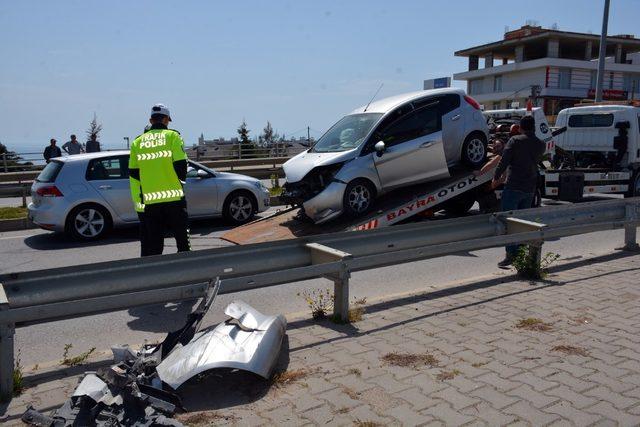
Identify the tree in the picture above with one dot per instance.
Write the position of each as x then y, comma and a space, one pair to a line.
94, 127
243, 136
268, 135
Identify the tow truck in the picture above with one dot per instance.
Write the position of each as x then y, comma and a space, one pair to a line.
455, 195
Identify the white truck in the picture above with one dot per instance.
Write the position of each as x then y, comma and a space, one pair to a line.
598, 153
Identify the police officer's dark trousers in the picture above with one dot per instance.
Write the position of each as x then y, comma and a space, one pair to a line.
158, 218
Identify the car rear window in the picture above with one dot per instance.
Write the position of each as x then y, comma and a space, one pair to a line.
591, 120
50, 172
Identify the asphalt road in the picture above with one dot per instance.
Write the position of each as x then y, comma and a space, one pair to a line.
36, 249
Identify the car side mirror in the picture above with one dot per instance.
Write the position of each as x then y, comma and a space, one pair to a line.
380, 147
202, 174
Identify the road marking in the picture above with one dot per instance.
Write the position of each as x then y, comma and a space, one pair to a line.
16, 237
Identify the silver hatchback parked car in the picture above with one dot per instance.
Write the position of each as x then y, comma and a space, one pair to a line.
86, 195
391, 143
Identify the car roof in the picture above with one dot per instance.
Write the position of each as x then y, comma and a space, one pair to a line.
90, 156
599, 109
387, 104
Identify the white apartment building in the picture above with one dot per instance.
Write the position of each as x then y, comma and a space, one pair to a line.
558, 67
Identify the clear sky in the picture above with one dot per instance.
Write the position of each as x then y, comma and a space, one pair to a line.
295, 63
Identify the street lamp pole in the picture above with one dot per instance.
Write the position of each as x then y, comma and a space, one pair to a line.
603, 52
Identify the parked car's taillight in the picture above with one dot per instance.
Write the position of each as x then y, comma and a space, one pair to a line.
472, 102
49, 191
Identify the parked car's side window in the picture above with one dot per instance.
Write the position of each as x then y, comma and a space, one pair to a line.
420, 122
108, 168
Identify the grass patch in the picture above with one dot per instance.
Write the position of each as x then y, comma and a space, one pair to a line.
533, 324
204, 418
18, 378
275, 191
282, 379
570, 350
13, 212
355, 371
410, 360
527, 265
75, 360
320, 302
448, 375
359, 423
478, 364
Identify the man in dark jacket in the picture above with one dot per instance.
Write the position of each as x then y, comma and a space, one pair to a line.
520, 160
51, 151
93, 145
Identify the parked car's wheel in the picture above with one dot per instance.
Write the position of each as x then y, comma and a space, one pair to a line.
634, 185
87, 222
358, 197
459, 205
474, 150
239, 207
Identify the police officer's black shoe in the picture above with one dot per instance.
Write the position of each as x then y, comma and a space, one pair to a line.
506, 263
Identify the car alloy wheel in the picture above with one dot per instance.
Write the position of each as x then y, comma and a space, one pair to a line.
359, 198
241, 208
89, 222
475, 150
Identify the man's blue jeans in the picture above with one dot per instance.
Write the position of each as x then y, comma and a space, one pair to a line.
513, 200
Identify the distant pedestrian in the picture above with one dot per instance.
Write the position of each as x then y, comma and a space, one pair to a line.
93, 145
51, 151
520, 159
72, 147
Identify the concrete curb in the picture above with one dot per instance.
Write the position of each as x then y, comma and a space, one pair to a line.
16, 224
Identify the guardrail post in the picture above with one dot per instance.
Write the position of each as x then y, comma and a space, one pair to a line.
341, 295
321, 254
7, 331
630, 242
24, 195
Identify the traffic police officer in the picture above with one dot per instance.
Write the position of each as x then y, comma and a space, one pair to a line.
157, 171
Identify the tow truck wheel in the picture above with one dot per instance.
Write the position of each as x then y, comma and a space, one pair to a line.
358, 197
459, 205
634, 185
474, 151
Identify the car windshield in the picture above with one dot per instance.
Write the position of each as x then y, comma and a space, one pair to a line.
347, 134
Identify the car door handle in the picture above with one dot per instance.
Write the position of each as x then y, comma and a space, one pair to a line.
456, 117
427, 144
105, 187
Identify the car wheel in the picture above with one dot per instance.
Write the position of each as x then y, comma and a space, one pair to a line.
358, 198
474, 151
634, 185
239, 207
88, 222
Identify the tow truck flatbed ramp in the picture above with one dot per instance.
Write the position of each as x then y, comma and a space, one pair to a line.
391, 208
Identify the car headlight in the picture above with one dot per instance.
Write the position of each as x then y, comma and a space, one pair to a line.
260, 186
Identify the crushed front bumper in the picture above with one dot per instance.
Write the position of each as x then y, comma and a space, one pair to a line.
326, 205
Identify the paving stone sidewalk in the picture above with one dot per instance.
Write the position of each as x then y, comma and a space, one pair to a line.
565, 351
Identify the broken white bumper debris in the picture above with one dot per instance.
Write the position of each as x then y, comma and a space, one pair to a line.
249, 341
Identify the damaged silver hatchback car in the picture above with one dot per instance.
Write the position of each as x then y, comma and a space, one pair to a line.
391, 143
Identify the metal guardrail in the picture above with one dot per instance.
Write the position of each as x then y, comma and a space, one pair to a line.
68, 292
265, 165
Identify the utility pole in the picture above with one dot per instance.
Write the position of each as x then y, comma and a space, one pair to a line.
603, 52
126, 138
308, 136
